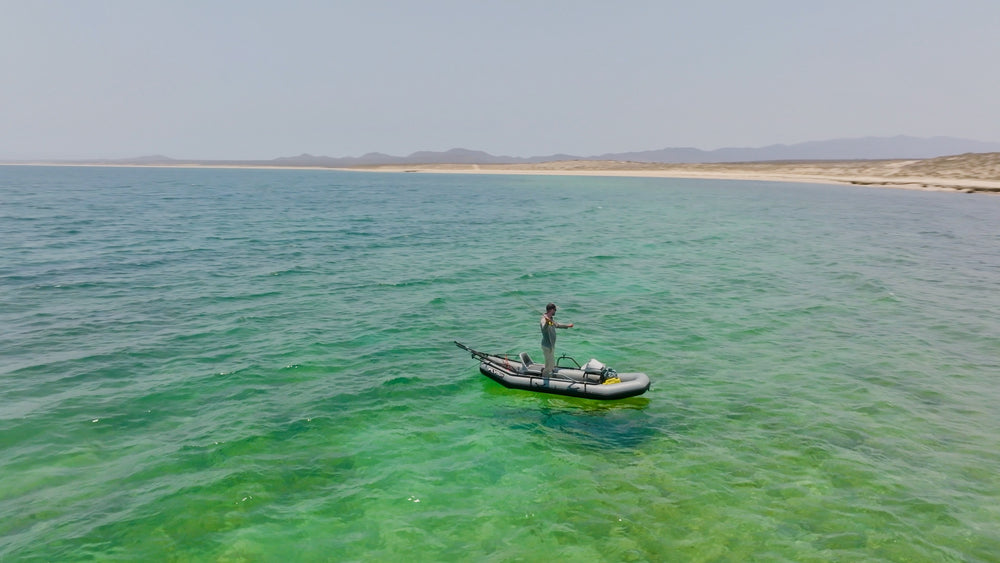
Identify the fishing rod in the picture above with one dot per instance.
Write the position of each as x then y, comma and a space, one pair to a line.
523, 300
532, 307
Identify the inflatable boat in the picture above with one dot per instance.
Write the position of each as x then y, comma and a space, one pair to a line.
592, 380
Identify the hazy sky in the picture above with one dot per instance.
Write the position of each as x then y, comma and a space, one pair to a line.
253, 79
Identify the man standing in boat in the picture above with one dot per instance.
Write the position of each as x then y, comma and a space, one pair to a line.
549, 326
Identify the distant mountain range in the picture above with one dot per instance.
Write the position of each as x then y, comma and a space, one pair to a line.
865, 148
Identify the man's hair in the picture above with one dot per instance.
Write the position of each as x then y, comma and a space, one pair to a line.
550, 307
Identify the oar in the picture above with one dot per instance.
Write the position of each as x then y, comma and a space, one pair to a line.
475, 354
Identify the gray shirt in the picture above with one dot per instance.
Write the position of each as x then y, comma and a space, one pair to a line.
549, 332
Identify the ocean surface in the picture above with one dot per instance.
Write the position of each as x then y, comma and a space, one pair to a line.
258, 365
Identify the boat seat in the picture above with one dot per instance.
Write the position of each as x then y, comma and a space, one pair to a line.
525, 359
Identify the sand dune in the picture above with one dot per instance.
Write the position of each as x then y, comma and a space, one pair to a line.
974, 172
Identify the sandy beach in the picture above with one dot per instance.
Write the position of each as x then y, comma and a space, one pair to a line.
970, 173
965, 173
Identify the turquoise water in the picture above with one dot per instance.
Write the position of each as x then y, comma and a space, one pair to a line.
252, 365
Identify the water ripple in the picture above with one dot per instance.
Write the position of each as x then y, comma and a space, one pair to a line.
227, 364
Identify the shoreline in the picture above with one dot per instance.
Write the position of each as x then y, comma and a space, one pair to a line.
879, 174
971, 173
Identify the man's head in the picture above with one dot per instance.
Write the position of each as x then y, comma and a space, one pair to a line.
550, 308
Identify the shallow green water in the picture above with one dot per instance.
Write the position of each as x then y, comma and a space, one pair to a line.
258, 365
